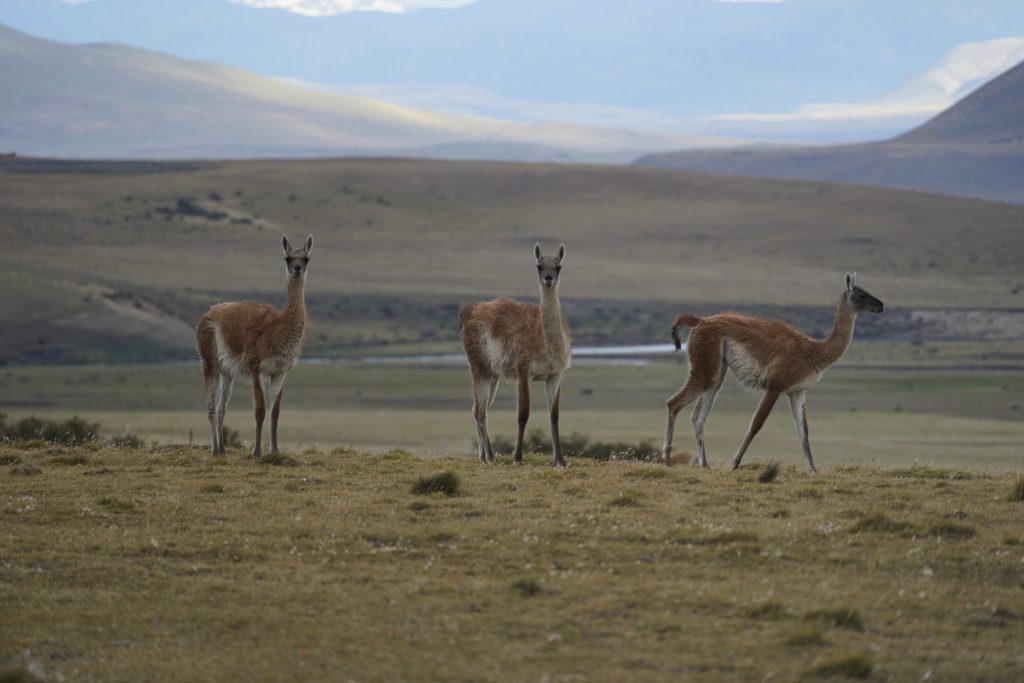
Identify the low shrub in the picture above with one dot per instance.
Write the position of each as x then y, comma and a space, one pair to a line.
578, 445
278, 460
130, 441
70, 432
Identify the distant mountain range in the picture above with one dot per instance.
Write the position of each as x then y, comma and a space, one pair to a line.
973, 149
718, 68
111, 101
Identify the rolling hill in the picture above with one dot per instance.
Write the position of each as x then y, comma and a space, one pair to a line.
114, 261
112, 101
973, 149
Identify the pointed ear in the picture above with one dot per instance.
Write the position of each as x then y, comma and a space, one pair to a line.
561, 252
851, 280
309, 244
536, 251
286, 244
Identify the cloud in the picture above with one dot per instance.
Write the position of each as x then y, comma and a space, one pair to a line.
940, 86
328, 8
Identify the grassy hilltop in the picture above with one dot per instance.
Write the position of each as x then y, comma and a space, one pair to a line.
135, 558
161, 564
115, 261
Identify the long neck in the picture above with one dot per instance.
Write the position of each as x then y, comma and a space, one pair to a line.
295, 306
832, 349
551, 316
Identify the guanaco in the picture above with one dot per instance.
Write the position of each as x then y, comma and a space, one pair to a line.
512, 339
765, 355
256, 342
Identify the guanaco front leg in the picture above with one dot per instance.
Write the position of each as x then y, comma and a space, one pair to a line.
554, 392
763, 410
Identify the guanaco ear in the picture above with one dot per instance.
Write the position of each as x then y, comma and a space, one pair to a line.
851, 280
536, 251
286, 244
561, 252
309, 244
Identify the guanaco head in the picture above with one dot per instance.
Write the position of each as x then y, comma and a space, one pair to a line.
548, 267
859, 300
296, 260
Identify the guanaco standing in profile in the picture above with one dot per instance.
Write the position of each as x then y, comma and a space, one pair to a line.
764, 355
506, 338
256, 342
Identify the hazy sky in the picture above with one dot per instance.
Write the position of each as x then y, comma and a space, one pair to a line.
764, 69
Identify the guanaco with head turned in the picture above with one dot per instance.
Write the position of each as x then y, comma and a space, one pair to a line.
765, 355
506, 338
257, 342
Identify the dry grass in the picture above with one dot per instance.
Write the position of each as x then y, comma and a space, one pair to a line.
163, 564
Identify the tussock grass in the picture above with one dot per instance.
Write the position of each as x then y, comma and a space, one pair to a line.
130, 441
532, 573
857, 666
1016, 494
879, 522
767, 610
923, 472
212, 488
18, 676
951, 530
806, 638
115, 504
527, 587
769, 473
446, 483
839, 618
625, 499
9, 459
649, 473
278, 460
720, 538
70, 460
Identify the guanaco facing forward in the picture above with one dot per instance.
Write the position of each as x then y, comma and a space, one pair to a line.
257, 342
506, 338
